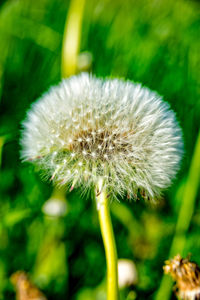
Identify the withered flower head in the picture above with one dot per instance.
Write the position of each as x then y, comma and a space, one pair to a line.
186, 274
25, 289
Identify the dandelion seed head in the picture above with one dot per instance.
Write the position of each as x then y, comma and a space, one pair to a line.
111, 129
55, 207
127, 273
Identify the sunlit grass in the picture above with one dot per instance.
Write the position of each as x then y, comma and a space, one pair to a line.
154, 42
189, 194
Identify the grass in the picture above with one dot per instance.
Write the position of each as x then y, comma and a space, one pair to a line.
153, 42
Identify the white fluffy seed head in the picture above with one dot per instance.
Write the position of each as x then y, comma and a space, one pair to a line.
111, 129
127, 273
55, 207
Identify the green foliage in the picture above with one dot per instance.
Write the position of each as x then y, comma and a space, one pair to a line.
153, 42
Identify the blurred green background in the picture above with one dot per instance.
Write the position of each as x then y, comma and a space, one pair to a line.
149, 41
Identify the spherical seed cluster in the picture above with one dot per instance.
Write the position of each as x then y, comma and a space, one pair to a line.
86, 128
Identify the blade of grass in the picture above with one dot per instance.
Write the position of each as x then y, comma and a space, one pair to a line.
184, 218
2, 142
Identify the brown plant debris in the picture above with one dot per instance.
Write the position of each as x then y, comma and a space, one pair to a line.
186, 274
25, 289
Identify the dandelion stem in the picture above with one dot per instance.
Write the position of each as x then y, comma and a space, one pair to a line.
109, 242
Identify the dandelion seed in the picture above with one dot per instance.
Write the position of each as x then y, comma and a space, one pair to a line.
120, 124
54, 153
71, 189
93, 154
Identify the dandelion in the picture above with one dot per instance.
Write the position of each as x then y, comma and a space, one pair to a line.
127, 273
86, 128
56, 206
116, 137
187, 277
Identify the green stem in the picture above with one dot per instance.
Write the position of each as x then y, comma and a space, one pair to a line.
2, 141
109, 242
71, 38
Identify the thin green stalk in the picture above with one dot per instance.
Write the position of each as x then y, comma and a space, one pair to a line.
2, 141
184, 218
109, 242
71, 38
